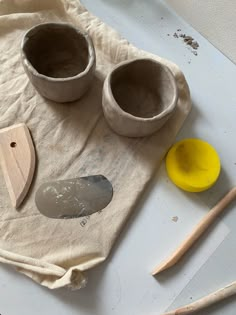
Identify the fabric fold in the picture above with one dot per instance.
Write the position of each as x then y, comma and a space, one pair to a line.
72, 140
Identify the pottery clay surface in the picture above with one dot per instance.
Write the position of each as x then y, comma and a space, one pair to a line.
139, 96
59, 60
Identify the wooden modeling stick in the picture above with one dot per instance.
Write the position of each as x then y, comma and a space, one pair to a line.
206, 301
197, 232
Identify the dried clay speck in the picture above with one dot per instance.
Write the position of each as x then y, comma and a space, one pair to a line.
175, 219
195, 45
188, 40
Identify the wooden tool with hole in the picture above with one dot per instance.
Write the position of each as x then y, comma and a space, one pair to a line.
17, 158
197, 232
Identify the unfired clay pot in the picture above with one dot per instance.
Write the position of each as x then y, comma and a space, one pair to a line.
139, 96
59, 60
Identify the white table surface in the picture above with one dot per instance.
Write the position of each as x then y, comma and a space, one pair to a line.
123, 284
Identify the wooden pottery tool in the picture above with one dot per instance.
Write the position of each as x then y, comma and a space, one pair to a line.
17, 158
206, 301
73, 198
197, 232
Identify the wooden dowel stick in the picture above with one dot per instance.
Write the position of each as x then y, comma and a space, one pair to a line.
197, 232
206, 301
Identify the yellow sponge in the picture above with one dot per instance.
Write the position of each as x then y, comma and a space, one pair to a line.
193, 165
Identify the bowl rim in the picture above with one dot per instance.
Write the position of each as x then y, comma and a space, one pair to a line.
163, 113
35, 28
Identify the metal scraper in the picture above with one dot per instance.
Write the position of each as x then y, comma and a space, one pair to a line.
73, 198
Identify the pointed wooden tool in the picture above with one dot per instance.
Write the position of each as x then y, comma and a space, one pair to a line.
206, 301
17, 158
201, 227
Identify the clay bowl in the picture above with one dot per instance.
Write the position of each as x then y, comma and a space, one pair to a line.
59, 60
139, 96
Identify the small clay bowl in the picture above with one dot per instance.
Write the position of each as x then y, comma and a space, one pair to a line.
139, 96
59, 60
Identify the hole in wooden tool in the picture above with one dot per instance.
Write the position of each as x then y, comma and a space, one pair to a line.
13, 144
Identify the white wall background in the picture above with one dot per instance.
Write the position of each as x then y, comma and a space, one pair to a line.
214, 19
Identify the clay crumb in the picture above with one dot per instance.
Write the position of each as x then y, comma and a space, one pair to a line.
188, 40
168, 34
175, 219
178, 30
195, 45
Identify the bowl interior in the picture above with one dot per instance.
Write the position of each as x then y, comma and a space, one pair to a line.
57, 51
143, 88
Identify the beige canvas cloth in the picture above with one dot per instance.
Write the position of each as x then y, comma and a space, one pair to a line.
72, 140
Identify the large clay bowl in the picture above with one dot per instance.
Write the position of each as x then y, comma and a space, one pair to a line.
139, 96
59, 60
